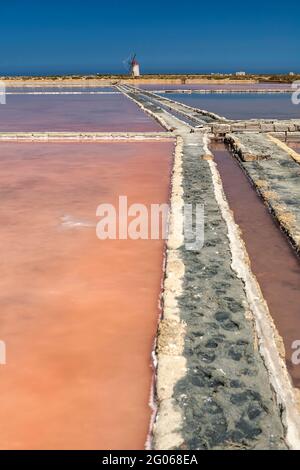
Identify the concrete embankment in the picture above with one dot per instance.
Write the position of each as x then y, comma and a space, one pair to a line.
82, 136
223, 398
283, 129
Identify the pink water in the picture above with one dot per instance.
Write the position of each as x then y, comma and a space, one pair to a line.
78, 315
29, 113
295, 146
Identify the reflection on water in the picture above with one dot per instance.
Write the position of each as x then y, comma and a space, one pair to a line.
78, 315
76, 113
243, 106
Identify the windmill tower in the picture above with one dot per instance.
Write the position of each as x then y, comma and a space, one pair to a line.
134, 66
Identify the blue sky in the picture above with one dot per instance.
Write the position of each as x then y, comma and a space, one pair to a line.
168, 36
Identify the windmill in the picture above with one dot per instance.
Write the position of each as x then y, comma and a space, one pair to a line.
134, 66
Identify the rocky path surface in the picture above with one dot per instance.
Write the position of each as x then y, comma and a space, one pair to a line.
225, 395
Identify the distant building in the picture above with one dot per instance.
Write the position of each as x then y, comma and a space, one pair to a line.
134, 67
136, 70
240, 74
291, 73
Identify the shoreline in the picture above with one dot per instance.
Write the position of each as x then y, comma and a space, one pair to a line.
79, 82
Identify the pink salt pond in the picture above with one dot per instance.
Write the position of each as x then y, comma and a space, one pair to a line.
76, 113
78, 315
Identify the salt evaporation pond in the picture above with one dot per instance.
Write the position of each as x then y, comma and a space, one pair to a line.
243, 106
30, 113
78, 315
221, 86
59, 89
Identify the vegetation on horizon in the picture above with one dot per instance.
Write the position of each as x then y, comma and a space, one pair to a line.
262, 78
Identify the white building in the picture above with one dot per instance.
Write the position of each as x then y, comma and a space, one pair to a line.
135, 69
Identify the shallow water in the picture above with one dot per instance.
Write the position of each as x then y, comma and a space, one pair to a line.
273, 260
29, 113
243, 106
295, 146
78, 315
220, 86
57, 88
